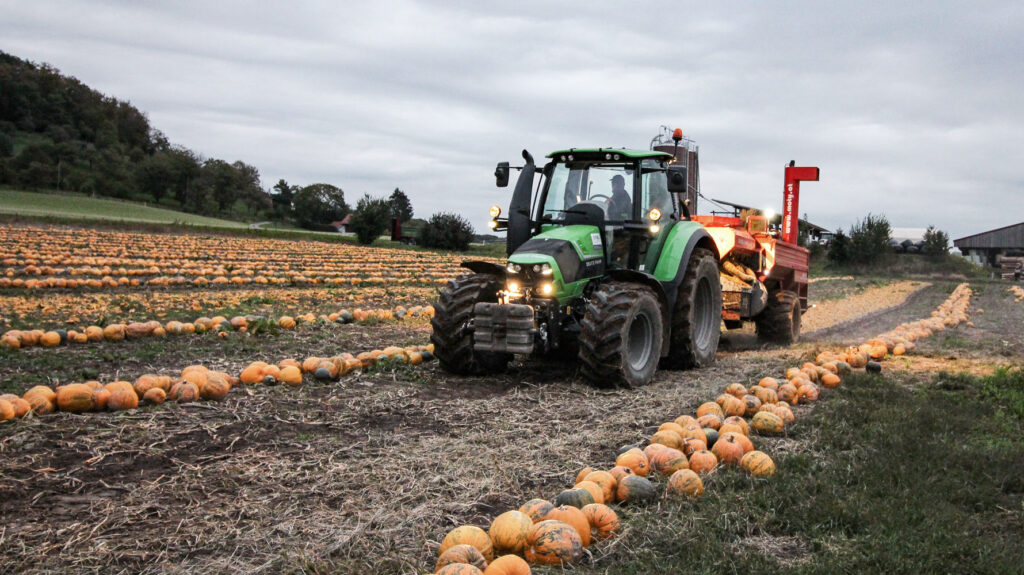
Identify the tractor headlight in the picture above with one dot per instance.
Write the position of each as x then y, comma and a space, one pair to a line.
492, 224
514, 268
513, 287
655, 228
654, 215
546, 289
495, 211
545, 269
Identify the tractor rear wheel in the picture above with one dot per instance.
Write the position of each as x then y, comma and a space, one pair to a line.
697, 317
621, 335
780, 321
452, 336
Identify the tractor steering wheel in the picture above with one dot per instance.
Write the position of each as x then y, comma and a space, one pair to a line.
595, 196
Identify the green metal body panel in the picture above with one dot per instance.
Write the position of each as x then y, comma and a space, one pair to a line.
582, 239
625, 153
674, 249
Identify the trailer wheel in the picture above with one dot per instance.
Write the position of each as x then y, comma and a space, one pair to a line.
621, 335
452, 337
697, 317
780, 321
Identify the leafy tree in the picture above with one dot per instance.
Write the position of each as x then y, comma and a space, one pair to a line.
370, 219
319, 204
839, 248
936, 242
869, 240
446, 231
282, 197
401, 207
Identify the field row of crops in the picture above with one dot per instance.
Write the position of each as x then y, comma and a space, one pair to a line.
36, 258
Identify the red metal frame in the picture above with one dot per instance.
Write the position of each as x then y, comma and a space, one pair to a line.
791, 200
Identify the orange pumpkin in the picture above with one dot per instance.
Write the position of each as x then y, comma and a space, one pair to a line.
216, 388
583, 473
728, 450
671, 425
767, 423
743, 440
736, 390
470, 535
606, 482
758, 463
122, 399
291, 375
752, 404
733, 406
710, 421
508, 532
553, 543
709, 407
618, 472
593, 489
155, 395
100, 396
685, 482
6, 410
668, 461
636, 461
604, 522
738, 421
692, 445
75, 398
573, 516
21, 407
186, 392
464, 554
668, 438
703, 461
508, 565
536, 509
769, 383
831, 380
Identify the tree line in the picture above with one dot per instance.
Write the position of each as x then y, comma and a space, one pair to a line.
57, 133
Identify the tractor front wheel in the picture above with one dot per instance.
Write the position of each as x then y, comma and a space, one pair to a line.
697, 317
452, 336
621, 335
780, 321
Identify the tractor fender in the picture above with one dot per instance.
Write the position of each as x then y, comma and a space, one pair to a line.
482, 267
632, 276
675, 255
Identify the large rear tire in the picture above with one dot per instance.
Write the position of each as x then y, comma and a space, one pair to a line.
780, 321
452, 337
621, 335
697, 317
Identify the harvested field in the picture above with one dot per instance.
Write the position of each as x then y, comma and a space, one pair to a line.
368, 473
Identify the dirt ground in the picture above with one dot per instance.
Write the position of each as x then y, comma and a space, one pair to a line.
368, 473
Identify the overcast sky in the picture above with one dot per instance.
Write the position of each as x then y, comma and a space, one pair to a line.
911, 109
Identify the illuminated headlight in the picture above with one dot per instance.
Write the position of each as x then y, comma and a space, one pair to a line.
545, 269
513, 287
654, 215
514, 268
492, 224
546, 289
495, 211
655, 228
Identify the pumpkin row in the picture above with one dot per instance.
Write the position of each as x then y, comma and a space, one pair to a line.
194, 383
683, 450
17, 339
168, 281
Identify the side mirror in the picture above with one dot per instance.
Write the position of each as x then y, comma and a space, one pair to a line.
501, 175
676, 179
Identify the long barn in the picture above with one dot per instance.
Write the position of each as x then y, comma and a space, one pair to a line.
992, 247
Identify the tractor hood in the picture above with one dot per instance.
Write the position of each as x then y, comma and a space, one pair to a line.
574, 253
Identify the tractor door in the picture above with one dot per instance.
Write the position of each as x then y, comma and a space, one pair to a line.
652, 193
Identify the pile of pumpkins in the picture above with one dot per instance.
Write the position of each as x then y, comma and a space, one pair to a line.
194, 383
1018, 293
290, 371
682, 451
17, 339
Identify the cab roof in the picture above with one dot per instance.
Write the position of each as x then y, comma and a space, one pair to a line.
590, 153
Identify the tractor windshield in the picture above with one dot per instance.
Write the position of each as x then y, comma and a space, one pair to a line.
607, 186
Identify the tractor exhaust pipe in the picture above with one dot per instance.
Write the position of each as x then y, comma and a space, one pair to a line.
519, 208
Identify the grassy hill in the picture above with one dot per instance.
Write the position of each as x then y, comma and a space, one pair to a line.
80, 207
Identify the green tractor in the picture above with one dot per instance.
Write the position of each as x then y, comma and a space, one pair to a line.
607, 266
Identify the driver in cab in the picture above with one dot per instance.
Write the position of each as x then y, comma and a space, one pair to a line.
620, 206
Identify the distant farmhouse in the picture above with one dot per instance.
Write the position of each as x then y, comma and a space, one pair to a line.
996, 248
